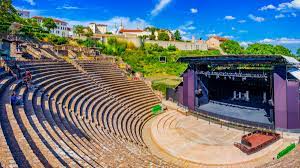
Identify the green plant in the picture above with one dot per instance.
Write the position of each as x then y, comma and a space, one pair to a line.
171, 48
163, 36
177, 35
49, 24
79, 30
232, 47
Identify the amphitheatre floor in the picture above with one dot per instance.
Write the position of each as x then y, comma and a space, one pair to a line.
197, 143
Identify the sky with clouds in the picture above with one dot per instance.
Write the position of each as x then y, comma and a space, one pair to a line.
247, 21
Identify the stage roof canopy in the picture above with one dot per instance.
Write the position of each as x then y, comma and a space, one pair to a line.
240, 59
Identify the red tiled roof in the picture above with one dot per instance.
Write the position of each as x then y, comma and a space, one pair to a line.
131, 31
55, 20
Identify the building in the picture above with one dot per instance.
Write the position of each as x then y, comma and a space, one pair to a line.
185, 46
24, 14
62, 30
214, 42
98, 28
133, 32
266, 95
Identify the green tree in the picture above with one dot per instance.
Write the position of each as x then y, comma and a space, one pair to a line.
268, 49
49, 24
298, 52
88, 32
232, 47
259, 48
79, 30
8, 15
163, 36
177, 35
282, 50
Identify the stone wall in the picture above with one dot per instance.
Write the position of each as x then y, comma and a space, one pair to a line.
180, 45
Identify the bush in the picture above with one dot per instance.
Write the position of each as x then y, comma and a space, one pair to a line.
171, 48
163, 36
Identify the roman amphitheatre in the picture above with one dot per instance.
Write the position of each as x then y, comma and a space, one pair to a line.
89, 113
102, 99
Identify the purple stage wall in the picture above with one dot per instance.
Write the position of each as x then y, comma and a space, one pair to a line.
180, 94
293, 105
286, 98
189, 89
280, 100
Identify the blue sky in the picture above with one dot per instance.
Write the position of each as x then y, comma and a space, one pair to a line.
247, 21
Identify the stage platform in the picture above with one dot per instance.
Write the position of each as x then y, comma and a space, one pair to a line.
236, 113
197, 143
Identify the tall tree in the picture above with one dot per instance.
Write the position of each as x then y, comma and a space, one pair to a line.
79, 30
49, 24
8, 15
177, 35
298, 52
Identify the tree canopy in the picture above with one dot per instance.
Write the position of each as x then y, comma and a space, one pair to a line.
88, 32
298, 52
79, 30
177, 35
163, 36
232, 47
49, 24
8, 15
270, 49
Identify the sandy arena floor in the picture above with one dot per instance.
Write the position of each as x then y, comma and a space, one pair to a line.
196, 143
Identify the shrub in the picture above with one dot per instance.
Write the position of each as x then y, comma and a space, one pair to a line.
171, 48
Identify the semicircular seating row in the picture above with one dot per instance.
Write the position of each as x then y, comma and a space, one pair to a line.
74, 119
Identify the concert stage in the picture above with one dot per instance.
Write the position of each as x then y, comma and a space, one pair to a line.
255, 90
236, 113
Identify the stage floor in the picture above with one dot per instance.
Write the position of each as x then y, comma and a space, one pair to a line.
243, 114
201, 143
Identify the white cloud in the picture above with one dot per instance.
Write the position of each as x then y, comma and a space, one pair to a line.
33, 12
280, 16
229, 18
245, 43
31, 2
68, 7
242, 21
283, 40
243, 31
160, 6
256, 18
185, 30
294, 14
194, 10
294, 4
214, 34
189, 25
229, 37
268, 7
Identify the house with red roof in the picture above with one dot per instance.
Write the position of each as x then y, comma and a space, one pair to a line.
133, 32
